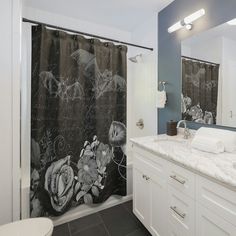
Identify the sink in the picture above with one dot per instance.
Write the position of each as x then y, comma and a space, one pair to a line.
173, 144
170, 140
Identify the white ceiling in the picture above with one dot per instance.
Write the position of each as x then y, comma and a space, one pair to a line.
121, 14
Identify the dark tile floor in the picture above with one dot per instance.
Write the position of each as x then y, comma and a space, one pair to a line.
115, 221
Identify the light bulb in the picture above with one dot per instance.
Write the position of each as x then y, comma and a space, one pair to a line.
232, 22
196, 15
175, 27
187, 22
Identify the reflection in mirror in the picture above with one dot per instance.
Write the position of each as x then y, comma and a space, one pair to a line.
209, 76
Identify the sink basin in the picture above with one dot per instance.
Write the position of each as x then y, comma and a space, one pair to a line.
170, 140
173, 144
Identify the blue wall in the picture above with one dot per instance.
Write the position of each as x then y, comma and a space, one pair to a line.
169, 46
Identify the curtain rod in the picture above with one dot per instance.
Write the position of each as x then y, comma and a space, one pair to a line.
87, 34
195, 59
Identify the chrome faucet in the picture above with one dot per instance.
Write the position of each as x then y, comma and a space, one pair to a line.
186, 130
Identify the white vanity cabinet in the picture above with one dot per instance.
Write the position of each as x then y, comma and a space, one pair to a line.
150, 192
173, 201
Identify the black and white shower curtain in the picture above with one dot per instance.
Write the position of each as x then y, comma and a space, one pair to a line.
199, 91
78, 121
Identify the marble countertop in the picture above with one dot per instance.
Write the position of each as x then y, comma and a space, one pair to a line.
221, 167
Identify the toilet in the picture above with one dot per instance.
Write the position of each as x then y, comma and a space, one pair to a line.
28, 227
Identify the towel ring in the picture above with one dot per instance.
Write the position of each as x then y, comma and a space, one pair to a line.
163, 83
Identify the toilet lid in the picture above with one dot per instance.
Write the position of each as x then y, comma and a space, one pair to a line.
28, 227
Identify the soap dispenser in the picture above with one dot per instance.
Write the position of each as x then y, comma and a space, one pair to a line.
171, 129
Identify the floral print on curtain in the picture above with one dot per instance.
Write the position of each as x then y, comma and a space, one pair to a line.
78, 121
199, 91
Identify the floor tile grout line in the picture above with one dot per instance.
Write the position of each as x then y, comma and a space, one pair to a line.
104, 224
108, 233
87, 227
130, 213
131, 232
68, 226
137, 230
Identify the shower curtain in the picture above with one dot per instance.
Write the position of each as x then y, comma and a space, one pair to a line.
199, 91
78, 121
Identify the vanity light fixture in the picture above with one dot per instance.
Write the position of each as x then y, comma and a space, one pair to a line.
232, 22
175, 27
189, 26
187, 21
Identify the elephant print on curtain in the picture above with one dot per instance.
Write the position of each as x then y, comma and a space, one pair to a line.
78, 121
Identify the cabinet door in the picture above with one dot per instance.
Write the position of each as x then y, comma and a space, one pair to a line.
158, 204
140, 196
208, 223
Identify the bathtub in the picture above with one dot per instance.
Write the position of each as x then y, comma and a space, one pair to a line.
82, 210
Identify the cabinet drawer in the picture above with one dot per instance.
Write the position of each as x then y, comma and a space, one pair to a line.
182, 180
143, 162
217, 198
178, 230
210, 224
181, 213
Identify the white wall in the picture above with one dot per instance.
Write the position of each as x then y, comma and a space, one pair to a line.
185, 50
228, 69
75, 24
9, 107
205, 50
144, 78
6, 112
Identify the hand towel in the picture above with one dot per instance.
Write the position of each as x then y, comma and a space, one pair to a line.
208, 144
161, 99
227, 137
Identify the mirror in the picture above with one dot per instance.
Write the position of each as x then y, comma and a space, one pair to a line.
209, 76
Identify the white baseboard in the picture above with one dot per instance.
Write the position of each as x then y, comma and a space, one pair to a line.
84, 210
